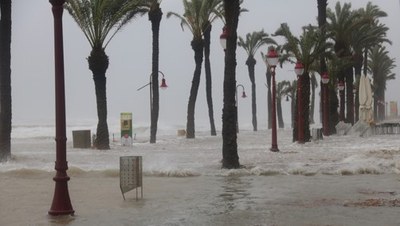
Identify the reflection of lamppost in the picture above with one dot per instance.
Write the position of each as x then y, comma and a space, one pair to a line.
152, 110
237, 105
299, 70
341, 94
61, 202
325, 103
223, 37
272, 60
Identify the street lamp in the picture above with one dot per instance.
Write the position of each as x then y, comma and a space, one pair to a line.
61, 204
341, 94
272, 60
325, 103
237, 105
299, 70
223, 37
152, 110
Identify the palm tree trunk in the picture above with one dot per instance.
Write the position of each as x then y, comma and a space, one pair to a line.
230, 155
357, 70
269, 98
306, 105
5, 80
349, 95
251, 62
312, 106
197, 46
98, 64
155, 18
281, 124
207, 66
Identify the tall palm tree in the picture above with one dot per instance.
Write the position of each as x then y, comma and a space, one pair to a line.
193, 20
307, 49
210, 12
155, 15
5, 80
230, 157
251, 44
100, 20
380, 65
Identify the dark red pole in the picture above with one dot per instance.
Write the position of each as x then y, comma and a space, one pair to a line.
274, 143
61, 202
300, 117
326, 110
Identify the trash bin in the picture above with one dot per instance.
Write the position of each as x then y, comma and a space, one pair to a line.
81, 138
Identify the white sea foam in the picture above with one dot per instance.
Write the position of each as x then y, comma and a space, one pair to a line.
33, 148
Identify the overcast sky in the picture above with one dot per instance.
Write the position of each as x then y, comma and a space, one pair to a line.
130, 63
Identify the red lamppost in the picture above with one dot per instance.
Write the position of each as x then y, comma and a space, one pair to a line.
61, 202
223, 37
299, 70
325, 103
272, 60
341, 95
237, 105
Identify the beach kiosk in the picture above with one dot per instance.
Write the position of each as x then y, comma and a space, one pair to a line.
126, 129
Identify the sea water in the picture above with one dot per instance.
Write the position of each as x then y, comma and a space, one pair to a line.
323, 182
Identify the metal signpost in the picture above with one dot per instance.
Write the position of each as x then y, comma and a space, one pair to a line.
130, 174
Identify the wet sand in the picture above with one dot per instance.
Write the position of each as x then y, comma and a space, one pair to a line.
26, 197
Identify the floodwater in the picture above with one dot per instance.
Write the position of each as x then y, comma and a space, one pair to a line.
206, 200
340, 180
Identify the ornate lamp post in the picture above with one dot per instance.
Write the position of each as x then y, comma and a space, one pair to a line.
341, 94
223, 37
325, 103
61, 202
272, 60
299, 70
237, 104
152, 113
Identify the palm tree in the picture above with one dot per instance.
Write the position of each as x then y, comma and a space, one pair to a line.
281, 91
5, 80
230, 157
100, 20
370, 34
307, 49
155, 16
290, 92
252, 43
209, 13
314, 85
193, 20
380, 65
342, 22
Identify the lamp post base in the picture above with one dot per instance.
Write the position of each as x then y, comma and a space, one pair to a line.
61, 202
274, 149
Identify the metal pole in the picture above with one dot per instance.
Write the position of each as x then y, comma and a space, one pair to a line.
274, 143
61, 202
237, 110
